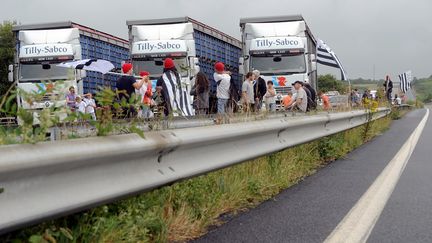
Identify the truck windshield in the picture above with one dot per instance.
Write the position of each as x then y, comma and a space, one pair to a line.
32, 72
279, 64
155, 66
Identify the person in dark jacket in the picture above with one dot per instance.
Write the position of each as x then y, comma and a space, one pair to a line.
309, 97
388, 85
126, 86
260, 89
312, 98
200, 91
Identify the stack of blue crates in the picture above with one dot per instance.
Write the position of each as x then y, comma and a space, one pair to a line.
96, 49
210, 50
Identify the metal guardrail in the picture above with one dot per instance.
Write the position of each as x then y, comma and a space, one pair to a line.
404, 107
46, 180
7, 121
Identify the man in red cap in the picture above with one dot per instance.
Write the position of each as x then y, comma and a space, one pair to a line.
222, 79
176, 98
126, 86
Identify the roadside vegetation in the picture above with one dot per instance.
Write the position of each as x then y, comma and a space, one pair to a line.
187, 209
329, 82
423, 89
6, 56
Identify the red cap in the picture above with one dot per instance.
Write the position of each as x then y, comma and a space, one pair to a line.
169, 63
126, 67
144, 73
220, 67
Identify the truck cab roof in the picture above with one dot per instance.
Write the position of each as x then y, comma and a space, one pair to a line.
69, 24
197, 25
271, 19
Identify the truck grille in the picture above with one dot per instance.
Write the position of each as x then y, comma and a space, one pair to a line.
283, 90
49, 97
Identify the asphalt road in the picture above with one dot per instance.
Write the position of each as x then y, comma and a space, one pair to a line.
407, 216
311, 210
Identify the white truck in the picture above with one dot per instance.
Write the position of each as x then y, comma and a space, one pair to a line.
194, 47
40, 47
282, 48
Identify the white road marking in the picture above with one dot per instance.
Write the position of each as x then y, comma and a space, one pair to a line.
361, 219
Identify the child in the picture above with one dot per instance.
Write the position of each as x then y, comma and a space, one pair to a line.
288, 100
325, 100
146, 94
270, 97
80, 105
90, 105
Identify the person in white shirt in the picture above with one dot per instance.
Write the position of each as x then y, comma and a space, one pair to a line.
301, 100
222, 79
248, 93
397, 100
145, 93
270, 97
90, 105
80, 105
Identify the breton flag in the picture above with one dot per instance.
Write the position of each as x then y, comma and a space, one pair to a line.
326, 56
405, 81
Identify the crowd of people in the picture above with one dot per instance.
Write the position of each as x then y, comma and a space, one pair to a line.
170, 96
81, 105
358, 99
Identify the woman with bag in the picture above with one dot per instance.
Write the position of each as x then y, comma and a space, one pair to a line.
200, 91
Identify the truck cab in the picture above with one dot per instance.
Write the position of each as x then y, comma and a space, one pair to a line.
37, 54
282, 48
193, 45
151, 41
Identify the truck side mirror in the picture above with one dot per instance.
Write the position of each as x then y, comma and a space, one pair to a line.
313, 66
11, 73
313, 57
241, 65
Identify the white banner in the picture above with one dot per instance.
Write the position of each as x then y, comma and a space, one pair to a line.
276, 43
159, 46
46, 50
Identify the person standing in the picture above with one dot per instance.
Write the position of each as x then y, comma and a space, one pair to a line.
90, 105
388, 84
270, 97
70, 98
126, 86
146, 94
177, 99
301, 100
222, 79
311, 95
355, 97
200, 91
260, 89
248, 99
80, 105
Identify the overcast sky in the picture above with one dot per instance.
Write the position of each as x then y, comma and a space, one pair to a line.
392, 35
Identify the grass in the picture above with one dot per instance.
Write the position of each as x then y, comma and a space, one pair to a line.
186, 210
